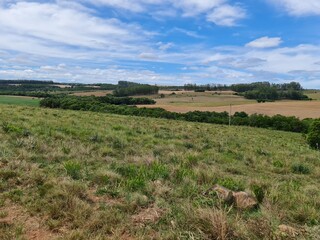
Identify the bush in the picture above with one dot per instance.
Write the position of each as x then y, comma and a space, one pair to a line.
300, 169
313, 136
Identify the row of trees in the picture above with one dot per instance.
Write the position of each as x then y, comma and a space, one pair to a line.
244, 87
206, 87
131, 89
277, 122
82, 103
268, 91
5, 82
109, 99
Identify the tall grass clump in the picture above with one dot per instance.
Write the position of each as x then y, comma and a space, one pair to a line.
73, 169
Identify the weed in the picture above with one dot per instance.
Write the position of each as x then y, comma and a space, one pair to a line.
278, 164
73, 169
259, 192
300, 168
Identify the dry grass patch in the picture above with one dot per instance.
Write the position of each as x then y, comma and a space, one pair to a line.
33, 228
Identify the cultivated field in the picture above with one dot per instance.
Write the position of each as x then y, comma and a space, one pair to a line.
93, 93
19, 100
300, 109
85, 175
210, 101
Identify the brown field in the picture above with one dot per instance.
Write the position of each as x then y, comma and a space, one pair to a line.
300, 109
168, 92
94, 93
62, 86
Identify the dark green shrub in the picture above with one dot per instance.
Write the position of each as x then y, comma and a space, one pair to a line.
299, 168
313, 136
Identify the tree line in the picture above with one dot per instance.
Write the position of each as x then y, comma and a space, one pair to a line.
265, 91
96, 104
206, 87
131, 89
2, 82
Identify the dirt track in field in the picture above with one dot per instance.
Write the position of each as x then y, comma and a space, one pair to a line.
300, 109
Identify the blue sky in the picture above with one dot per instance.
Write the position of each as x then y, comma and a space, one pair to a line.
167, 42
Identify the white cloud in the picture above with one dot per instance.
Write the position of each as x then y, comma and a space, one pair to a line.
187, 32
226, 15
195, 7
88, 75
148, 56
299, 7
54, 30
220, 12
265, 42
165, 46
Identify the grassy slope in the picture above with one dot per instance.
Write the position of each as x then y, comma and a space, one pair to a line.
21, 101
97, 176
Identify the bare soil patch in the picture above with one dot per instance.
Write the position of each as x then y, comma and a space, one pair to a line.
148, 215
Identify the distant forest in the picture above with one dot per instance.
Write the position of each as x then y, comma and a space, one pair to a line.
125, 89
264, 91
260, 91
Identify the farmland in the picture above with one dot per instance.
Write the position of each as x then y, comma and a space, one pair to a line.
92, 93
84, 175
183, 102
19, 100
314, 94
287, 108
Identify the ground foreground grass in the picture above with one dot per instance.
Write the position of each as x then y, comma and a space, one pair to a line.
84, 175
19, 100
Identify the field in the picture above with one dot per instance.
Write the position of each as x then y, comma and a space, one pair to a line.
314, 94
19, 100
100, 93
210, 101
300, 109
84, 175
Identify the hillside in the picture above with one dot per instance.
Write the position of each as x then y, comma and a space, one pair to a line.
84, 175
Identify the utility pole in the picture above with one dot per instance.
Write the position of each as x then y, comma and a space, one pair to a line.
230, 116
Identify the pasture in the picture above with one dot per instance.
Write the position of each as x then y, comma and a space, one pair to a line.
314, 94
85, 175
19, 100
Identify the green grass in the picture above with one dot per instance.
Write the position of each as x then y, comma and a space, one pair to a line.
98, 176
206, 99
314, 94
20, 101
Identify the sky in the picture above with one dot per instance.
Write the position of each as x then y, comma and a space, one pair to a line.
164, 42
